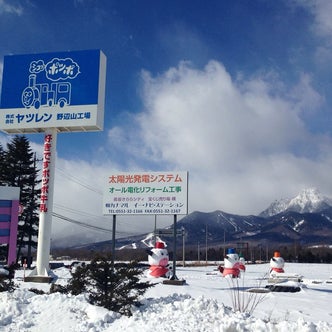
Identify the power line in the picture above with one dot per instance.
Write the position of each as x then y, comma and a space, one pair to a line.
82, 213
85, 214
82, 224
78, 181
136, 227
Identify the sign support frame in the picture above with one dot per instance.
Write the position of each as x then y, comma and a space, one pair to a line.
174, 280
174, 277
113, 241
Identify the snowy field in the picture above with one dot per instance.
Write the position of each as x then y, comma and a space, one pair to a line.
203, 304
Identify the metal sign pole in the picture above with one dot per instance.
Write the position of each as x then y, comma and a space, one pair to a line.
183, 249
113, 240
174, 277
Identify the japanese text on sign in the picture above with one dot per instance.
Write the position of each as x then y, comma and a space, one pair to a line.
46, 173
146, 193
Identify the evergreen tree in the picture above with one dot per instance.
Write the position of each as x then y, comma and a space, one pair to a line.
78, 283
20, 171
7, 281
3, 249
116, 289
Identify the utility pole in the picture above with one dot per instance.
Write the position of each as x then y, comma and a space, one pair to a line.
155, 229
183, 249
224, 242
206, 244
198, 253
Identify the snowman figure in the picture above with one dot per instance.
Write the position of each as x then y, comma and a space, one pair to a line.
158, 259
242, 263
231, 264
277, 263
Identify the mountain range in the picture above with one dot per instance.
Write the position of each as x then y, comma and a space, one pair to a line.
305, 219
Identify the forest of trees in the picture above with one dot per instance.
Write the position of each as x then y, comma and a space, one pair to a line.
18, 168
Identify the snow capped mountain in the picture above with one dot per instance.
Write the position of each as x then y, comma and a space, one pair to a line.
275, 208
307, 201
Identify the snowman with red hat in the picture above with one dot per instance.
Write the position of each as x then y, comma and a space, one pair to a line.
158, 259
280, 281
277, 263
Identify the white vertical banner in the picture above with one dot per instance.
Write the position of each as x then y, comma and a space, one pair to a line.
46, 203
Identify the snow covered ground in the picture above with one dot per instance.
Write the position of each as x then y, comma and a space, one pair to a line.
204, 303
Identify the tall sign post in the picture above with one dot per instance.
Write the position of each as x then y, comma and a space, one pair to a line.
46, 203
147, 193
51, 93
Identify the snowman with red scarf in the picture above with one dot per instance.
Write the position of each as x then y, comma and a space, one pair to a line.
158, 259
277, 263
232, 266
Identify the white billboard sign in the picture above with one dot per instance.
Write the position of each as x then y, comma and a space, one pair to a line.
160, 193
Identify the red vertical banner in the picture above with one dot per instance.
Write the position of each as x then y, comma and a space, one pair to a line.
46, 173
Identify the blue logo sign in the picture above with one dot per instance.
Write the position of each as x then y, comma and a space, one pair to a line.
53, 93
53, 90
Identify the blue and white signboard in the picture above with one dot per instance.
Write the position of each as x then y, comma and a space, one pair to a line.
63, 90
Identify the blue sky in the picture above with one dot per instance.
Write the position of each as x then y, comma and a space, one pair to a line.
238, 93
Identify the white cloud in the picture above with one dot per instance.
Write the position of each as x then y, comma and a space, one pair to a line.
306, 97
5, 7
321, 11
204, 115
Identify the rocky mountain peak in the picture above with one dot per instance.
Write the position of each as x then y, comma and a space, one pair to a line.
309, 200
